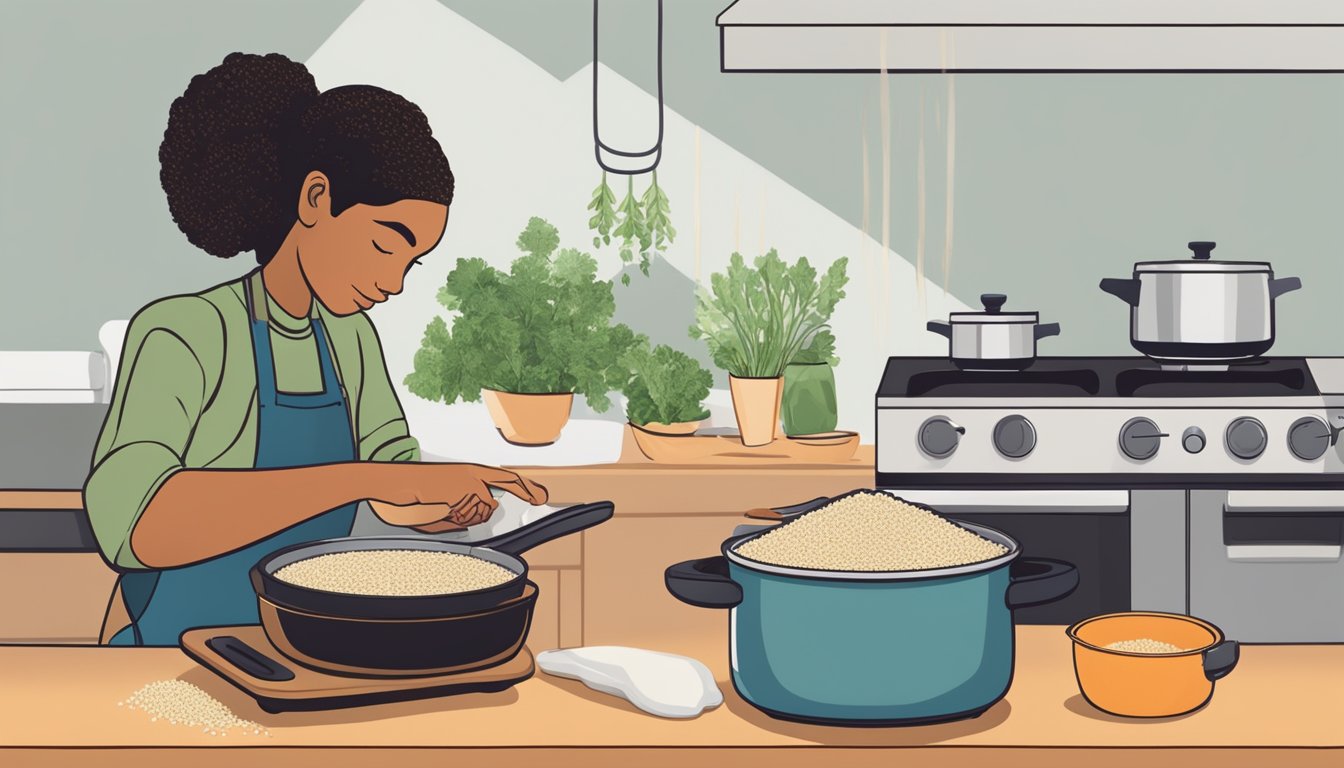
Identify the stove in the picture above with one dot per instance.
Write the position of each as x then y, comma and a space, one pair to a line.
1216, 492
1113, 422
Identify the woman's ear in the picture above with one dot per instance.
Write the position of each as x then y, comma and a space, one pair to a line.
314, 199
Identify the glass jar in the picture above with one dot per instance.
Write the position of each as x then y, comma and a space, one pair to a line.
809, 406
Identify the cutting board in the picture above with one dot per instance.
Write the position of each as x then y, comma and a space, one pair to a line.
281, 685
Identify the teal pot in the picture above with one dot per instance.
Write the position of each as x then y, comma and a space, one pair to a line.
808, 407
871, 649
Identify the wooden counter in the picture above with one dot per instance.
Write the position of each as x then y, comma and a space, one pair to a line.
1280, 707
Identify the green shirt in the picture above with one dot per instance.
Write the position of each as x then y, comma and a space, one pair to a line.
186, 397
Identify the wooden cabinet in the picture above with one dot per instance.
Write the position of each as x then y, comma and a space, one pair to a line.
53, 597
625, 602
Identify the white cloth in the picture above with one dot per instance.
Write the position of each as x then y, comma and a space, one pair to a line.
659, 683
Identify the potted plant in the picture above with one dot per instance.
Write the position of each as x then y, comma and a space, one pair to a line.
809, 403
755, 320
666, 391
528, 339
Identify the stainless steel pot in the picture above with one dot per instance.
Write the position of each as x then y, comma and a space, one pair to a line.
1200, 310
993, 340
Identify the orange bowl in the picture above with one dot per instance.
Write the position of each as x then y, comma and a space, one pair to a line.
1149, 684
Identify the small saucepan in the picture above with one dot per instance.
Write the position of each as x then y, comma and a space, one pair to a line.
403, 635
1133, 684
993, 340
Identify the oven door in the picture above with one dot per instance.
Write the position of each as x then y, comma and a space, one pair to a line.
1266, 566
1087, 528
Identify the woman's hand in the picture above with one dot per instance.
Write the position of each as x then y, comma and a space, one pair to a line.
435, 498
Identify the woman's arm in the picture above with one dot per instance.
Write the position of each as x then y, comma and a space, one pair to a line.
149, 511
198, 514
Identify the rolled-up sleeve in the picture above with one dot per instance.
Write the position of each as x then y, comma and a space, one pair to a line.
154, 410
384, 434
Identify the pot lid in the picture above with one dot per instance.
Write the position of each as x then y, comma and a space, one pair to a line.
1202, 262
993, 312
998, 537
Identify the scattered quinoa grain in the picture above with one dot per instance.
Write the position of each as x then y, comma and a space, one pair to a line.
181, 703
870, 532
395, 572
1144, 645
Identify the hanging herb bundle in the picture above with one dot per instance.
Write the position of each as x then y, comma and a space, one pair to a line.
640, 224
603, 206
656, 216
632, 229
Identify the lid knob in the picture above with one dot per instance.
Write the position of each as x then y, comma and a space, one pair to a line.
1203, 249
993, 302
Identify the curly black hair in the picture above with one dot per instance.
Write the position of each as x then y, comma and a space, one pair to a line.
244, 135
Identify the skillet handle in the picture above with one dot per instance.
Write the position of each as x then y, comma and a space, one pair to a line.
703, 583
553, 526
1221, 659
1037, 581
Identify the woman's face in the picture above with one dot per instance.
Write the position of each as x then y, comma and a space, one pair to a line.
359, 258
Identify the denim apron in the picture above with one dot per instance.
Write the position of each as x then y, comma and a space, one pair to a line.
293, 430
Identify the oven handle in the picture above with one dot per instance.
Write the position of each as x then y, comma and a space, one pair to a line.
1041, 502
1284, 501
1283, 553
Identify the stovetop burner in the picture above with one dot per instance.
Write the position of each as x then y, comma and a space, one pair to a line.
1097, 377
1029, 383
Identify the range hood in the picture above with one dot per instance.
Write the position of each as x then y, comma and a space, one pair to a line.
1032, 36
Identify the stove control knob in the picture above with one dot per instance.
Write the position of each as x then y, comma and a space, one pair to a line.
1309, 438
1246, 437
1140, 438
1193, 440
1014, 436
938, 437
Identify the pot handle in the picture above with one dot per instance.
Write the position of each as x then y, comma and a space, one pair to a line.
1281, 285
553, 526
1047, 329
703, 583
940, 328
1037, 580
1221, 659
1126, 289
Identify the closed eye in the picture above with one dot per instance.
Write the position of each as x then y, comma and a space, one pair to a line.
379, 247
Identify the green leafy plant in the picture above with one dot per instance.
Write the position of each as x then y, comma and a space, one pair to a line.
665, 386
603, 206
543, 327
757, 319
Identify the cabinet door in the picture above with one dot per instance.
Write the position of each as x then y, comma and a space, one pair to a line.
624, 599
1269, 571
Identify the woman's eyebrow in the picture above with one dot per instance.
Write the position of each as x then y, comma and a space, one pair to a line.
399, 228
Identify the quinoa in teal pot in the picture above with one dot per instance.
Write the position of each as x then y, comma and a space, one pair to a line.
871, 648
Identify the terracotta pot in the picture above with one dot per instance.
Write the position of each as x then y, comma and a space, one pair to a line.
824, 447
673, 448
756, 405
530, 420
679, 428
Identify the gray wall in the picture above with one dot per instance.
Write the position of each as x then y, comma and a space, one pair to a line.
85, 234
1061, 179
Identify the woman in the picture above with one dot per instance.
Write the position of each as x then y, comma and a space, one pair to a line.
258, 413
